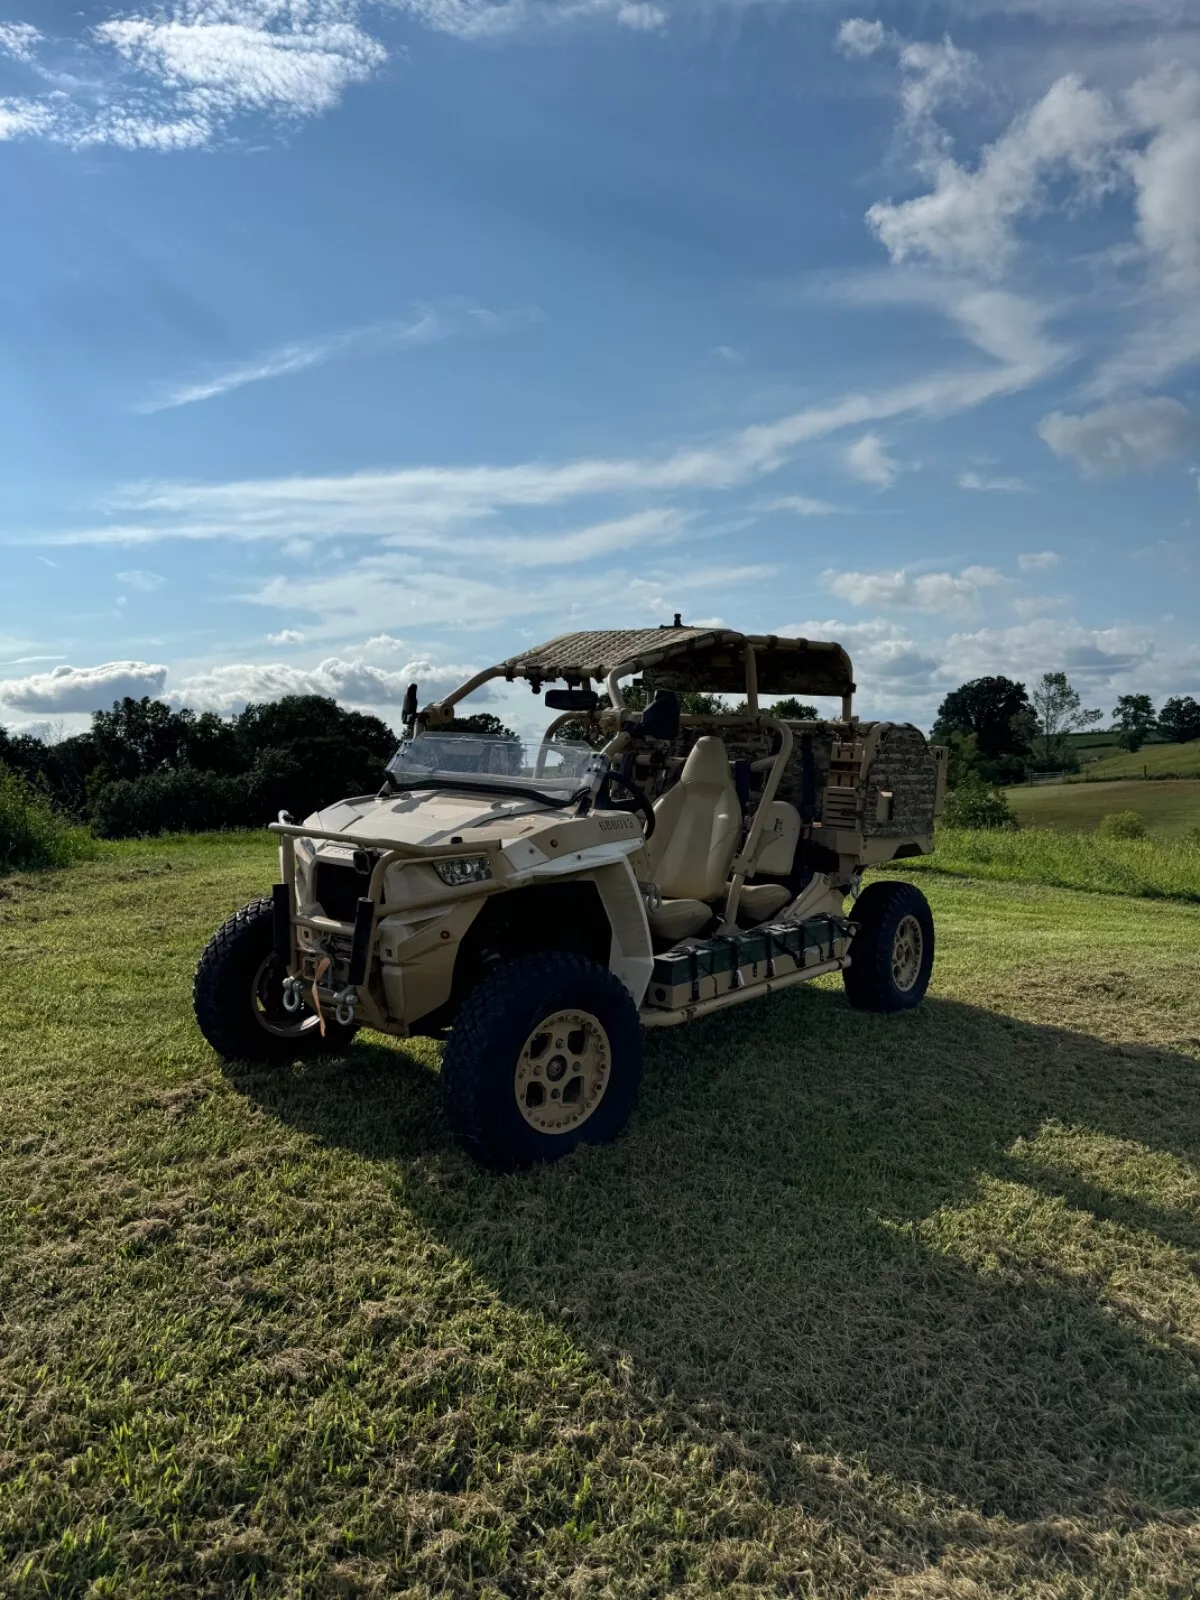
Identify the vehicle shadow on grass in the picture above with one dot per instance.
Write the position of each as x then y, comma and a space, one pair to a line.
817, 1238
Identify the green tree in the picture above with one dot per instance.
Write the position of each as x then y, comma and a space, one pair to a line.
482, 722
964, 763
1059, 712
975, 804
1179, 719
692, 704
995, 710
1133, 719
139, 736
793, 710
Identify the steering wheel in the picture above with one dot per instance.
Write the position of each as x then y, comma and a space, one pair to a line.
640, 802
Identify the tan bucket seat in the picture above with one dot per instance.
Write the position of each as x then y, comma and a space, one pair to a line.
698, 825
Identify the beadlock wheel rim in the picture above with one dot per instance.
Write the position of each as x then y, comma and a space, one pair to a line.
563, 1072
266, 1001
908, 948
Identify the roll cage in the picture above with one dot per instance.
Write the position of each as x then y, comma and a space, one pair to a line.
681, 659
708, 660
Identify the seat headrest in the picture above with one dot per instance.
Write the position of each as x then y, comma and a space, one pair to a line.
708, 763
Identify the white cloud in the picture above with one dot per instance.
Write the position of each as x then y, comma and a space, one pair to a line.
83, 688
986, 485
20, 119
889, 664
138, 578
385, 644
19, 39
493, 19
391, 589
642, 18
427, 327
223, 68
228, 687
944, 593
1165, 332
934, 73
233, 686
1165, 338
1039, 605
968, 220
859, 39
1167, 173
1038, 560
1049, 644
1132, 436
417, 504
1009, 327
176, 80
800, 505
868, 460
286, 636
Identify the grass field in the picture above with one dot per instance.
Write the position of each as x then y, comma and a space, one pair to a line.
1153, 869
1166, 807
1152, 760
891, 1309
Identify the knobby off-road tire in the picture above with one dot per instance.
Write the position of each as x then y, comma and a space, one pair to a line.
892, 953
237, 994
545, 1055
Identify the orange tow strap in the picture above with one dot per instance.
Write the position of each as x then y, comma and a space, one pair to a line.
322, 969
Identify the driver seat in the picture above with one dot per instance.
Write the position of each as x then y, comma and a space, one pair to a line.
698, 824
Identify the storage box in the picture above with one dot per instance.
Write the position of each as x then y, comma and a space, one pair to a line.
702, 969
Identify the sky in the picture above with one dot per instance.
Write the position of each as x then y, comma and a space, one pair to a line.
352, 342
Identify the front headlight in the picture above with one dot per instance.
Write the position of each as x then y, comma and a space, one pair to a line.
464, 869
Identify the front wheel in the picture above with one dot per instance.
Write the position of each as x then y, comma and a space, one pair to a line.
891, 955
546, 1055
237, 995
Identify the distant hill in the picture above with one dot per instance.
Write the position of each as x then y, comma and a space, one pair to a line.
1165, 808
1102, 739
1153, 761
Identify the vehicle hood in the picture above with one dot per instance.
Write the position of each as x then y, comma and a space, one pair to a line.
436, 817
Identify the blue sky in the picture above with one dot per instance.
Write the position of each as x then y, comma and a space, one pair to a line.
347, 342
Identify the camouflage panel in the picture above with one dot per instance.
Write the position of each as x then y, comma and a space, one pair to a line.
904, 768
783, 666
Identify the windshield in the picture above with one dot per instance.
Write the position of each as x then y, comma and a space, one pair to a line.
559, 770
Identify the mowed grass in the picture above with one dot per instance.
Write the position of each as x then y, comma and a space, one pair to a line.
1153, 760
1153, 869
884, 1308
1168, 807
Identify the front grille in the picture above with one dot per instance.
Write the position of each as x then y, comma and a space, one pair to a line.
339, 888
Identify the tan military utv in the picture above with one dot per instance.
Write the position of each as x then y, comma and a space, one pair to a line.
541, 904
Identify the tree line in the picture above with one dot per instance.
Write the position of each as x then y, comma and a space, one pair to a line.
143, 768
1000, 731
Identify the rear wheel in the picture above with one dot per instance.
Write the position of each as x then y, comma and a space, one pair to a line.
891, 956
237, 994
546, 1055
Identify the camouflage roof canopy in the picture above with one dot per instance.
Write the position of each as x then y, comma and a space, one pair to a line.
709, 660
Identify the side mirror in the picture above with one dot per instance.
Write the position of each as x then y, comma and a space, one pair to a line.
409, 714
585, 700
